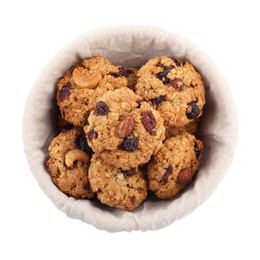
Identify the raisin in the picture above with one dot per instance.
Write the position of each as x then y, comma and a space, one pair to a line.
149, 122
83, 144
177, 84
101, 109
194, 110
122, 72
129, 144
92, 134
130, 172
158, 100
163, 76
167, 173
65, 92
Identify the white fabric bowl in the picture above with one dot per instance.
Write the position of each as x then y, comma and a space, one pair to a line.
132, 46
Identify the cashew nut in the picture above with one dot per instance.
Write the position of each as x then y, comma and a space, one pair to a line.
76, 155
85, 81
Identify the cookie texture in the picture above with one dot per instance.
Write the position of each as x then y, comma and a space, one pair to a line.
82, 84
191, 128
174, 87
124, 130
115, 187
68, 163
175, 165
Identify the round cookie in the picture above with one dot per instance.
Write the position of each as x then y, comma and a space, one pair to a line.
174, 87
81, 85
175, 165
123, 130
115, 187
68, 163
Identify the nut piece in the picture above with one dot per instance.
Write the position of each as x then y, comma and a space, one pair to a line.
75, 155
85, 81
185, 176
125, 127
149, 122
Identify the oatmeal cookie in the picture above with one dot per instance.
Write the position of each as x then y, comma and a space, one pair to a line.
81, 85
175, 165
174, 87
68, 163
115, 187
123, 130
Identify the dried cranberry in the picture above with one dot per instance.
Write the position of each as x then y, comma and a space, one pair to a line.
158, 100
194, 110
167, 173
65, 92
92, 134
83, 144
129, 144
130, 172
101, 109
177, 84
149, 122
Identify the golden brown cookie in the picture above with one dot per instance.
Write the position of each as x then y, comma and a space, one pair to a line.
81, 85
174, 87
68, 163
124, 131
175, 165
115, 187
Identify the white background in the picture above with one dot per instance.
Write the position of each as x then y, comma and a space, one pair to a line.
226, 226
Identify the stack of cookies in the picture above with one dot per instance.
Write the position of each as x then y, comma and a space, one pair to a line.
127, 131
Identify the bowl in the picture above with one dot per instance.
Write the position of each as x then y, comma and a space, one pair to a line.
132, 46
